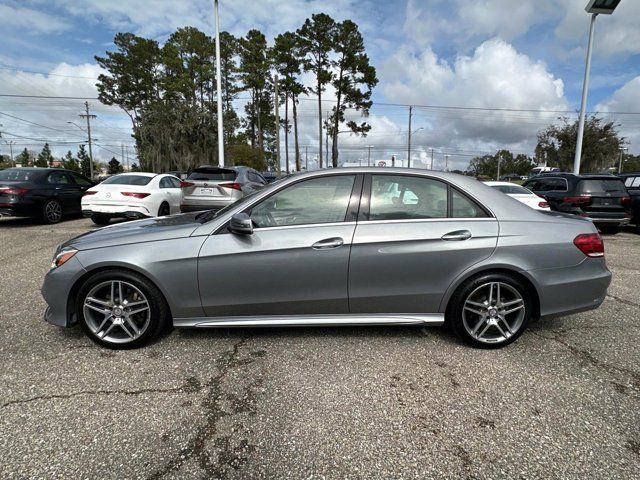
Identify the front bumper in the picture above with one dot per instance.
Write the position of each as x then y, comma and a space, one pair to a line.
56, 291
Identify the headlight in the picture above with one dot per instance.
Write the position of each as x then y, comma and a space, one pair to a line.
62, 258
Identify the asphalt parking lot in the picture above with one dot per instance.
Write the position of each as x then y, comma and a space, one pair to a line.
562, 402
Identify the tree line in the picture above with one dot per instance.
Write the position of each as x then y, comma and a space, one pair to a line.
556, 146
79, 162
169, 91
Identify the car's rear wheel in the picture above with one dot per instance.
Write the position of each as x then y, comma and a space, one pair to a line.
100, 219
51, 211
120, 309
164, 210
490, 310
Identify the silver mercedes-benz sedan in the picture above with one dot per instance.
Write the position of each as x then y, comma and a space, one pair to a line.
357, 246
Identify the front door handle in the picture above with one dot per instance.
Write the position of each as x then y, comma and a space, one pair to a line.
327, 243
457, 235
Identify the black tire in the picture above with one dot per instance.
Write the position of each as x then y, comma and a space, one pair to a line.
609, 230
159, 317
52, 211
100, 219
164, 209
456, 320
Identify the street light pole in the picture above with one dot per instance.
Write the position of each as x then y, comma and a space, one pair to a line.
409, 141
583, 103
446, 162
499, 159
431, 165
219, 88
369, 156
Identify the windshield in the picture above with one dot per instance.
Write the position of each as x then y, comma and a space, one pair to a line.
216, 174
595, 186
17, 174
512, 189
127, 180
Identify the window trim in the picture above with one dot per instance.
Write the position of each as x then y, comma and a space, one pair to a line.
365, 203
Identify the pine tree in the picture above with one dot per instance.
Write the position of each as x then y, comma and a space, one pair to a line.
353, 79
316, 40
83, 158
24, 158
114, 167
44, 157
70, 162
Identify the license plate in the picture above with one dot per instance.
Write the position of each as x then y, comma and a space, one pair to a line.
206, 191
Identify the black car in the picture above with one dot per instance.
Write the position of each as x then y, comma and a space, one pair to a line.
601, 198
45, 193
632, 183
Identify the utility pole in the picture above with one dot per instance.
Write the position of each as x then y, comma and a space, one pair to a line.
622, 149
277, 124
499, 158
10, 143
219, 89
431, 165
369, 156
122, 155
89, 117
446, 162
409, 142
126, 149
306, 158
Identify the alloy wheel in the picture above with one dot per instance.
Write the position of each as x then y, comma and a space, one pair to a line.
117, 311
493, 312
53, 211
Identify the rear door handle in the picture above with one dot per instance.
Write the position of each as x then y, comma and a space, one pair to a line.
327, 243
457, 235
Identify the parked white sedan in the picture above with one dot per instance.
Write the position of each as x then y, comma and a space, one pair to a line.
132, 195
521, 194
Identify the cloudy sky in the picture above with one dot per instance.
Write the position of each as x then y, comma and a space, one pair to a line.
483, 74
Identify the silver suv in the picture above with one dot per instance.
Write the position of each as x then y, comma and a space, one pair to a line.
213, 188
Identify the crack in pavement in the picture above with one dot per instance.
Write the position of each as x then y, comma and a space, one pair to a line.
213, 413
622, 300
191, 385
588, 357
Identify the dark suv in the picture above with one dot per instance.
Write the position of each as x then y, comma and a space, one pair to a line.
601, 198
632, 183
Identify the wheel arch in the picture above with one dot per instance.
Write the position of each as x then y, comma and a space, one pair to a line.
73, 292
503, 269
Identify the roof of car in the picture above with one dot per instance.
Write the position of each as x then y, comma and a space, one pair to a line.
139, 174
506, 184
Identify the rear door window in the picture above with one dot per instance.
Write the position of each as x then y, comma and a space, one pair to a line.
165, 182
214, 174
59, 178
552, 185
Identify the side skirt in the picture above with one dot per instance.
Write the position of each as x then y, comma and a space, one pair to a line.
310, 320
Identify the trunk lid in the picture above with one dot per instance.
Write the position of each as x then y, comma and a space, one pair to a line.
208, 182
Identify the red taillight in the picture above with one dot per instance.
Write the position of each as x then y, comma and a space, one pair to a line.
135, 194
186, 184
13, 190
233, 185
580, 200
590, 244
625, 201
89, 192
543, 205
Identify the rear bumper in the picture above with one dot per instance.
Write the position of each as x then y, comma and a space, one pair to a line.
19, 211
123, 211
187, 207
567, 290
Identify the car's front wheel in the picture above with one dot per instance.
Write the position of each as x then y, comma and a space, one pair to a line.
120, 309
490, 310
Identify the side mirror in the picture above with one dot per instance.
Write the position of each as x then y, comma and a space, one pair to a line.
241, 224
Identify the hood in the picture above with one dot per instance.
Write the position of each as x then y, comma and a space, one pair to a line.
139, 231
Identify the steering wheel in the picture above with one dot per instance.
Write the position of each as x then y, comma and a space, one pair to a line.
265, 219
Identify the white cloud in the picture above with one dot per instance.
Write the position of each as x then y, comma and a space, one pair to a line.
31, 21
111, 127
626, 99
616, 34
494, 76
157, 17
